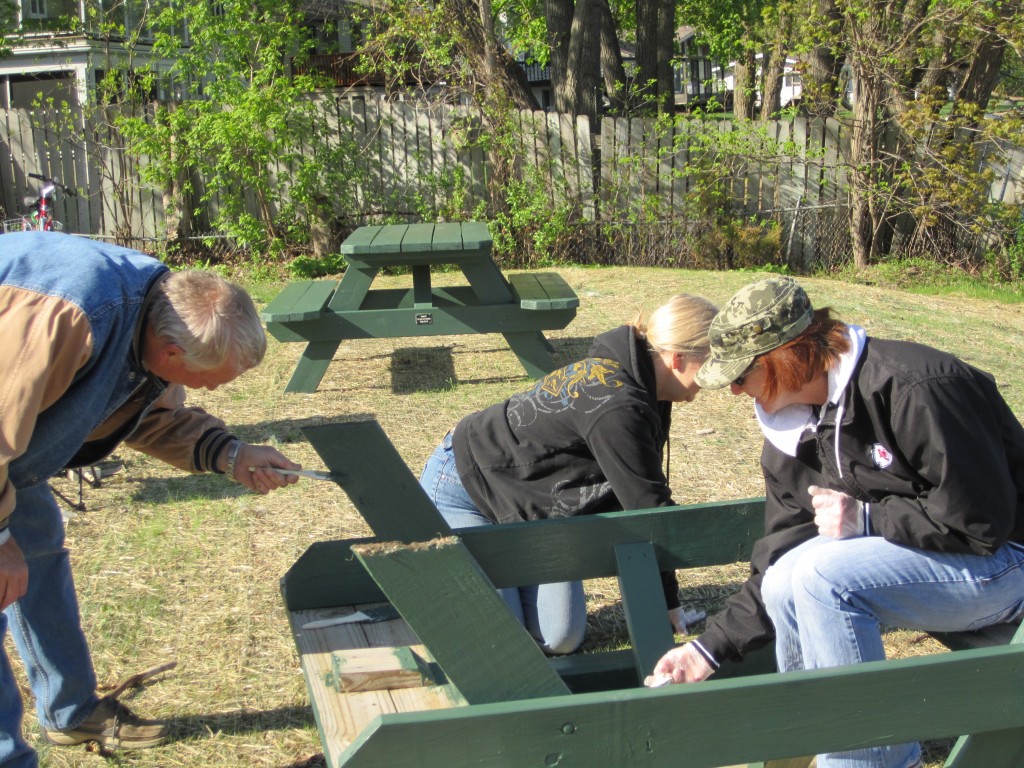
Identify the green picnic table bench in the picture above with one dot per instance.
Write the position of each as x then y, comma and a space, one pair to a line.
323, 313
450, 678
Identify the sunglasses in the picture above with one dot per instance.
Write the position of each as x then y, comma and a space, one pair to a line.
738, 381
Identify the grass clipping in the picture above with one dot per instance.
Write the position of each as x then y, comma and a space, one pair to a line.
171, 567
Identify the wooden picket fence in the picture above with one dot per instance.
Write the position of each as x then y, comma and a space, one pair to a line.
408, 158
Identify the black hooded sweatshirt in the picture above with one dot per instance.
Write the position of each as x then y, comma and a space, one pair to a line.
587, 438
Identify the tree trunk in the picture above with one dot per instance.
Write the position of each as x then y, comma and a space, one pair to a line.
577, 93
863, 165
744, 86
611, 58
821, 91
773, 65
506, 77
559, 15
655, 33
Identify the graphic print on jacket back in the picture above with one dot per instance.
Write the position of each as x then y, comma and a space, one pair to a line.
586, 386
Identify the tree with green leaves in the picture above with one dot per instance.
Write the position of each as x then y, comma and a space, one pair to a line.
923, 76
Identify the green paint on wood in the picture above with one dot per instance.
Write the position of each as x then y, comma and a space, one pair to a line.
643, 602
718, 723
377, 481
482, 649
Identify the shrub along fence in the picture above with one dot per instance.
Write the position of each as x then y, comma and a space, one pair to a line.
410, 160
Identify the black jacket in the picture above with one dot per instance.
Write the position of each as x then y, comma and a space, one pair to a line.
925, 440
587, 438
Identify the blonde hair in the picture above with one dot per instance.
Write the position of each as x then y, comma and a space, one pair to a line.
213, 321
679, 325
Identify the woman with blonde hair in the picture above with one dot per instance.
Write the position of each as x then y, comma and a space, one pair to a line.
589, 437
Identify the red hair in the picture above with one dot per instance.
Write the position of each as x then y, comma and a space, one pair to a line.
797, 362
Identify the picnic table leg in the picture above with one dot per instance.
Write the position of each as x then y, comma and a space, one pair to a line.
533, 351
312, 366
994, 749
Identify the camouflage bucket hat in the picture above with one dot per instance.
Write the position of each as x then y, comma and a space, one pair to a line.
760, 317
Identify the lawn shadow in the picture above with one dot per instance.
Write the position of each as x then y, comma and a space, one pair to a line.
200, 726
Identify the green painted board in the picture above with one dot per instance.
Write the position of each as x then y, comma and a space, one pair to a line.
360, 240
543, 290
418, 237
388, 239
446, 320
484, 651
476, 235
301, 300
533, 351
448, 237
643, 602
1001, 747
718, 722
538, 552
377, 481
312, 366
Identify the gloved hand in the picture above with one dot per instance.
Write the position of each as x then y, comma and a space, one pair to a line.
684, 664
837, 514
681, 618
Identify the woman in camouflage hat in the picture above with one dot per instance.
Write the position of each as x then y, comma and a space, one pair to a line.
590, 437
894, 481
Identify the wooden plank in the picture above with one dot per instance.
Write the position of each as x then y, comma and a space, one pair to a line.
543, 291
726, 722
312, 365
570, 165
342, 717
989, 749
418, 237
643, 603
447, 237
384, 491
388, 239
541, 551
585, 162
300, 300
360, 241
476, 235
465, 637
374, 669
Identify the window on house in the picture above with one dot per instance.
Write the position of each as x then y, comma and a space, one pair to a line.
37, 9
216, 8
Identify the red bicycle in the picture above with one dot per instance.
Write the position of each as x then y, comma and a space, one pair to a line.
40, 209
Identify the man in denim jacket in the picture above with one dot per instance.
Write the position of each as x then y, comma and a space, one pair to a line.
104, 341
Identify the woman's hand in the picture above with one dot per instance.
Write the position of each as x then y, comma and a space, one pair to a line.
837, 514
684, 664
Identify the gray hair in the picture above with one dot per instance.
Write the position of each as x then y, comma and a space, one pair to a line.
213, 320
679, 325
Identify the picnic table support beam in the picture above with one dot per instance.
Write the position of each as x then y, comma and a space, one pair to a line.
994, 748
644, 605
418, 577
312, 366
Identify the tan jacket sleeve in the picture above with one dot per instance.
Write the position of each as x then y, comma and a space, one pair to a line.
175, 433
51, 340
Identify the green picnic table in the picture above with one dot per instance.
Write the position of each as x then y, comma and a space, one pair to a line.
323, 313
411, 658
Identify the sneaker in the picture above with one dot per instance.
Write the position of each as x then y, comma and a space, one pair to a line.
113, 726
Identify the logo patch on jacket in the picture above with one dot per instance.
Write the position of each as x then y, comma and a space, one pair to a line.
881, 456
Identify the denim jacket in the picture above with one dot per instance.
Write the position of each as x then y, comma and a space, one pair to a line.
73, 310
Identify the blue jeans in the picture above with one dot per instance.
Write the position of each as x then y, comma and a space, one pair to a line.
554, 614
47, 632
828, 597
